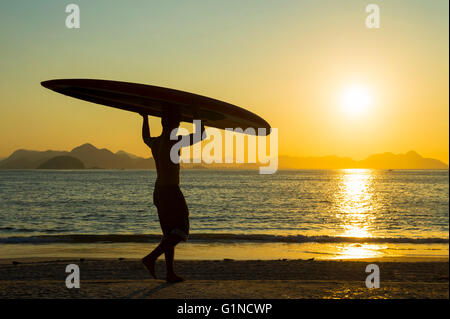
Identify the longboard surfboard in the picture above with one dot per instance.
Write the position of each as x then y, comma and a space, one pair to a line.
155, 100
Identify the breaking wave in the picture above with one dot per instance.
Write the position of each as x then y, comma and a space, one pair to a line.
212, 238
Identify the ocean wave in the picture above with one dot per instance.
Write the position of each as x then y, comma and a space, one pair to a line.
212, 238
12, 229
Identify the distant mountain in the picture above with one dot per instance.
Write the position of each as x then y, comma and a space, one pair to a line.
104, 158
123, 153
92, 157
62, 162
24, 159
88, 154
410, 160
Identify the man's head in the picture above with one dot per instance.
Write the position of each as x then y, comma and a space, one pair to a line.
170, 121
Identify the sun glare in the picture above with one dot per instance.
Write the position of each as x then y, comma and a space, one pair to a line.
356, 100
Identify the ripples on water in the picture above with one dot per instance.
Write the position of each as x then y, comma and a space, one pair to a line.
349, 203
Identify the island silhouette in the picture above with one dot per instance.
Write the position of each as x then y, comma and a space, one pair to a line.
62, 162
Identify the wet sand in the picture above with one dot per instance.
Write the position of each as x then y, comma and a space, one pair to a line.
127, 278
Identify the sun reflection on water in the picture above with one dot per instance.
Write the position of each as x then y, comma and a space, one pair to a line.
357, 251
356, 211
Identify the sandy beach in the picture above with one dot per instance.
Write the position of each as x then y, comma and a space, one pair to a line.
286, 279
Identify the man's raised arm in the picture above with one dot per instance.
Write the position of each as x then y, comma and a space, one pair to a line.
146, 131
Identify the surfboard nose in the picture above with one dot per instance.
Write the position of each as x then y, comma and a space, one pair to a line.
47, 84
52, 84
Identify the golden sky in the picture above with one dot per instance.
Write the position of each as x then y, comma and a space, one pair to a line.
310, 68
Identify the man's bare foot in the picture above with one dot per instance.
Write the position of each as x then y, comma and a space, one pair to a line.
172, 278
149, 262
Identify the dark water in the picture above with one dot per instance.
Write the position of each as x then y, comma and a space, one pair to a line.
289, 206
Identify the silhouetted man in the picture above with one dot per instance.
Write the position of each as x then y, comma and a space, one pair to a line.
173, 212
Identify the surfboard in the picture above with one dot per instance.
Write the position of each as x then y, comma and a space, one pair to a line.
154, 100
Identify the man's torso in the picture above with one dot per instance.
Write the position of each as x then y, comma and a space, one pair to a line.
168, 172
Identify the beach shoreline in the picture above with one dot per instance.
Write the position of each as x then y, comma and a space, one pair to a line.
193, 250
212, 279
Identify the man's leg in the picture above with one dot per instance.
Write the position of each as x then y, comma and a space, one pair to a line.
150, 259
169, 254
166, 246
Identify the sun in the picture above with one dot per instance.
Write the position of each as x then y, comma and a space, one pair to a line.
356, 100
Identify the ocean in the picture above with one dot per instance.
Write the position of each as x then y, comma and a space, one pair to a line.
233, 213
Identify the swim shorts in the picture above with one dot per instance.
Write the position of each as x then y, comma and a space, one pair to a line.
173, 212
